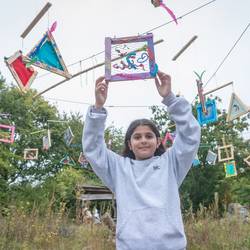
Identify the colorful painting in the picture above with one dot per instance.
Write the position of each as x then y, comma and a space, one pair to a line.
196, 161
230, 169
82, 160
210, 115
130, 58
7, 133
23, 75
46, 55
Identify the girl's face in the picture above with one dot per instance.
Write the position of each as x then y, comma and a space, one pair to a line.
143, 142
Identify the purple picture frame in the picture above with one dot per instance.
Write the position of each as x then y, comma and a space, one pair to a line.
109, 42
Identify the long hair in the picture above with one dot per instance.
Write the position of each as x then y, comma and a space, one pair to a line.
133, 125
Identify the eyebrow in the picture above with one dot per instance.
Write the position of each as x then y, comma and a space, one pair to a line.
147, 133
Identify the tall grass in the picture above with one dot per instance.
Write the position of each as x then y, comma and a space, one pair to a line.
52, 231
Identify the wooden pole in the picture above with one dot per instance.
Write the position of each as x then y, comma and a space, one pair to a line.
184, 48
36, 19
85, 71
220, 87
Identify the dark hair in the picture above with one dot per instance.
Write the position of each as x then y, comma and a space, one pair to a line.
133, 125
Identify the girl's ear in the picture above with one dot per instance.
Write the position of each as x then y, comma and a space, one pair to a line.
158, 142
129, 145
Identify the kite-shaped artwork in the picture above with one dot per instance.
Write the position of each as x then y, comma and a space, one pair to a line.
7, 133
46, 55
225, 153
47, 141
23, 75
130, 58
82, 160
247, 160
67, 160
196, 161
211, 157
68, 136
230, 169
159, 3
210, 115
236, 108
30, 154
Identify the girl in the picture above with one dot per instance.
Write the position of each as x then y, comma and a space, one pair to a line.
146, 178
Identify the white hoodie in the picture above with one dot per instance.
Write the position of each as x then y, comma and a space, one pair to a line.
147, 196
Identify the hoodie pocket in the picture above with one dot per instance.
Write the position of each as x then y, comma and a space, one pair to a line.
150, 227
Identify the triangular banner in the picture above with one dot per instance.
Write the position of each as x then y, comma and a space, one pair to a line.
236, 108
46, 55
23, 75
67, 160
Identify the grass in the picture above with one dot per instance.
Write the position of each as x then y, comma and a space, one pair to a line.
54, 231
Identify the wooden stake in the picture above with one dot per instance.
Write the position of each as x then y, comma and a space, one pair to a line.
184, 48
36, 19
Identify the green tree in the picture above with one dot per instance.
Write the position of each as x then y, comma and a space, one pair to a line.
202, 182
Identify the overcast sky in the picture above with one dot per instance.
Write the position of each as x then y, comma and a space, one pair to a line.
82, 26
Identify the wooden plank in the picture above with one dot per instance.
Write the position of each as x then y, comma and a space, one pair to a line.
36, 19
91, 197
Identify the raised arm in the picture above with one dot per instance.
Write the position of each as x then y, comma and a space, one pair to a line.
188, 130
103, 161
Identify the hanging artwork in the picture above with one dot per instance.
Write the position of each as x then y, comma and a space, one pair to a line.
47, 141
225, 153
46, 55
210, 115
230, 169
196, 161
247, 160
7, 133
159, 3
23, 75
82, 160
30, 154
130, 58
211, 157
168, 139
67, 160
68, 136
236, 108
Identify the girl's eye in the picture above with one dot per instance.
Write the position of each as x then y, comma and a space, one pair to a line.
149, 136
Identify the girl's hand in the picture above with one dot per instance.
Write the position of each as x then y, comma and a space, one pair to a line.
163, 85
101, 91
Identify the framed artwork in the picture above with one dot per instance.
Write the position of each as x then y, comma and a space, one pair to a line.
68, 136
211, 157
225, 153
82, 160
130, 58
247, 160
236, 108
23, 75
7, 133
210, 115
196, 161
46, 55
67, 160
230, 169
30, 154
47, 141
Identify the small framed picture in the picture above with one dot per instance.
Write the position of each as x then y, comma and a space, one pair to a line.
46, 141
30, 154
7, 133
67, 160
210, 116
130, 58
225, 153
23, 75
82, 160
68, 136
211, 157
230, 169
247, 160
